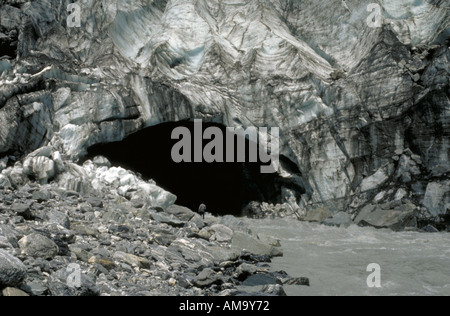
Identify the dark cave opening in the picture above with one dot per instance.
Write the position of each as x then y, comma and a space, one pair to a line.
226, 188
8, 46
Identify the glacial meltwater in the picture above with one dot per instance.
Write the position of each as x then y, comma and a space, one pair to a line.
336, 259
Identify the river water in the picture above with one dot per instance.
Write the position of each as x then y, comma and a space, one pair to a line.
336, 259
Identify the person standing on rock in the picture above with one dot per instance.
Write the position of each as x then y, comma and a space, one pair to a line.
202, 210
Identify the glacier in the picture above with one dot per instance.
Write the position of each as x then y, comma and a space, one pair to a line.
349, 99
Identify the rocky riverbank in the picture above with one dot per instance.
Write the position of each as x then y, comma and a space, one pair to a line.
120, 246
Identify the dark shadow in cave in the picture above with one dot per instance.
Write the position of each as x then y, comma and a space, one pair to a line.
226, 188
8, 47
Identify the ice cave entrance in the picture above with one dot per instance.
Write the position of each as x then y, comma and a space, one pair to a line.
226, 188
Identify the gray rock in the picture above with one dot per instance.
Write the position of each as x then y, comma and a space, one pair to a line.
245, 270
169, 220
95, 202
198, 221
106, 263
222, 254
4, 182
58, 284
269, 240
80, 253
192, 252
41, 195
37, 288
235, 224
182, 213
437, 196
207, 278
17, 176
365, 212
12, 270
84, 230
395, 219
430, 229
244, 242
9, 232
13, 292
59, 218
163, 238
221, 233
38, 246
297, 281
274, 289
401, 194
22, 210
132, 260
5, 244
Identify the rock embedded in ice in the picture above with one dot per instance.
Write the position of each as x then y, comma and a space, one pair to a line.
376, 180
437, 197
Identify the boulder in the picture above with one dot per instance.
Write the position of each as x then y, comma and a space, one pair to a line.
395, 219
9, 233
297, 281
166, 219
12, 270
244, 242
245, 270
437, 197
193, 252
207, 278
38, 246
430, 229
198, 221
182, 213
221, 233
235, 224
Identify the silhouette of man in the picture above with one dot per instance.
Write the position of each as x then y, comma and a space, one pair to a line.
202, 210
